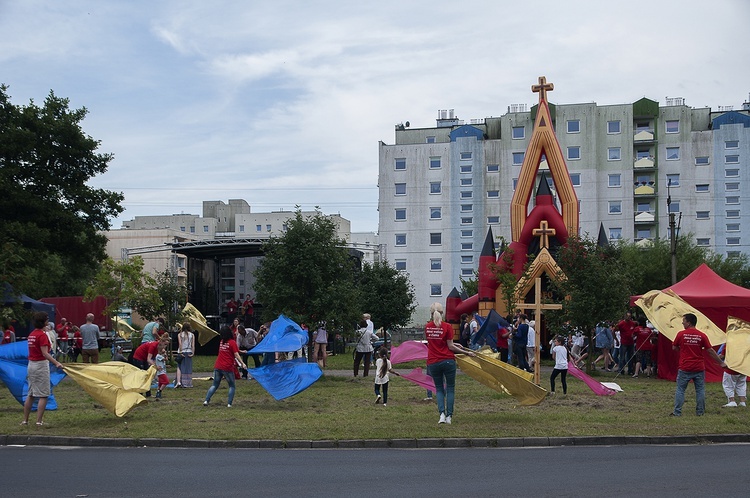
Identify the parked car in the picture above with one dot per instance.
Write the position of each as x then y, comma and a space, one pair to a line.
381, 341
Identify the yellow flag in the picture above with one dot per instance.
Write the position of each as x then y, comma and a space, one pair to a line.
502, 377
123, 328
114, 384
665, 311
199, 324
738, 345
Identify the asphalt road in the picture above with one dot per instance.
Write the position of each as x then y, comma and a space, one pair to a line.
662, 471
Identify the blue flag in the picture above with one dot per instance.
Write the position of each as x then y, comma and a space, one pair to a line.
287, 378
284, 336
14, 361
488, 328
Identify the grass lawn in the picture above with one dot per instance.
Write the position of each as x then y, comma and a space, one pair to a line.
338, 407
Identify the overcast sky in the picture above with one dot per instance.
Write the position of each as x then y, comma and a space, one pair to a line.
284, 102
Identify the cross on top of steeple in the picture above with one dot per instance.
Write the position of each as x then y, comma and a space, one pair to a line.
542, 88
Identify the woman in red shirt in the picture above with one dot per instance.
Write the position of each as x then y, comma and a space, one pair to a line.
441, 362
224, 366
38, 369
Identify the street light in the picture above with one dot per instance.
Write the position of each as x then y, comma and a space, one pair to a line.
672, 234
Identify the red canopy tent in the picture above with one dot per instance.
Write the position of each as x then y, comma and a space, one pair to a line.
714, 297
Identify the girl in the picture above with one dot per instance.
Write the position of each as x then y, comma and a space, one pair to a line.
382, 367
185, 349
225, 365
560, 355
161, 368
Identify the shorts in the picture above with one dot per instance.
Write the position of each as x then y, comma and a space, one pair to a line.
163, 380
38, 377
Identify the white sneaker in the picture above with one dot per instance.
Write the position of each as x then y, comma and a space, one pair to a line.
448, 419
742, 403
205, 403
378, 399
384, 405
229, 405
442, 418
731, 404
428, 398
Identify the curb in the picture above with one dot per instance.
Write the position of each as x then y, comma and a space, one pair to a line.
417, 443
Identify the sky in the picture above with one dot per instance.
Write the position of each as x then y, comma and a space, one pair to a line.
283, 103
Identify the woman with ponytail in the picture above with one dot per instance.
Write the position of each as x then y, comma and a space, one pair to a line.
441, 361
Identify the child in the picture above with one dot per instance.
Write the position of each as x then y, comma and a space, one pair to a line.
733, 382
382, 367
560, 355
161, 368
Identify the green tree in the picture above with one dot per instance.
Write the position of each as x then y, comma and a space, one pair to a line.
308, 275
50, 215
172, 298
387, 294
124, 283
470, 286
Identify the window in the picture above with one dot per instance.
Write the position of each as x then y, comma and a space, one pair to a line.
466, 156
674, 207
436, 238
400, 239
493, 219
732, 144
401, 264
575, 179
467, 246
242, 282
643, 154
703, 242
467, 194
400, 214
574, 126
493, 168
268, 228
644, 233
574, 153
436, 264
467, 208
733, 227
436, 290
673, 180
615, 180
434, 163
732, 186
400, 188
613, 154
515, 184
673, 126
466, 259
702, 215
192, 229
701, 187
701, 161
467, 220
430, 140
436, 213
732, 159
733, 213
733, 241
436, 187
733, 199
242, 228
673, 153
182, 229
465, 168
733, 254
467, 233
518, 158
205, 228
467, 272
643, 207
493, 193
400, 164
732, 173
467, 182
613, 127
518, 132
615, 207
615, 233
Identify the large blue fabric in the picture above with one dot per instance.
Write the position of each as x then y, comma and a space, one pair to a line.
14, 361
284, 336
488, 329
287, 378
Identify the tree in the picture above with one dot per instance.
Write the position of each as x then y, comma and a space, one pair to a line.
171, 299
50, 214
470, 286
387, 294
124, 283
308, 275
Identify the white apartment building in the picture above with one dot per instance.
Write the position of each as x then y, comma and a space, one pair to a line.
441, 188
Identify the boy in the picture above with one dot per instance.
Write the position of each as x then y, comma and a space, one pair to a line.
161, 368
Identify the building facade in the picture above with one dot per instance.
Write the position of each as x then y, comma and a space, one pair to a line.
441, 188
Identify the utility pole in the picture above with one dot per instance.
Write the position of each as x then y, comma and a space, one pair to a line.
672, 233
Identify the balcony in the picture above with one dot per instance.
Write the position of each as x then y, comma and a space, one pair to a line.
644, 189
645, 163
645, 218
643, 135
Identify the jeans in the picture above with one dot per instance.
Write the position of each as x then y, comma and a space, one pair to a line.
683, 379
444, 375
385, 391
627, 354
358, 356
218, 374
520, 353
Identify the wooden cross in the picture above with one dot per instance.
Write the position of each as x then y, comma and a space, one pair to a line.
538, 306
542, 88
543, 232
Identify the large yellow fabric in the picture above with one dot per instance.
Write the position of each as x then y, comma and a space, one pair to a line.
114, 384
199, 324
666, 309
502, 377
738, 345
123, 329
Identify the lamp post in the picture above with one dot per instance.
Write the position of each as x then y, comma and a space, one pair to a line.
672, 234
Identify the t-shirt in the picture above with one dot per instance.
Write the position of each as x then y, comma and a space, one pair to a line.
692, 342
161, 364
386, 377
561, 357
437, 342
90, 334
142, 351
225, 359
62, 332
643, 339
626, 328
148, 332
502, 342
36, 340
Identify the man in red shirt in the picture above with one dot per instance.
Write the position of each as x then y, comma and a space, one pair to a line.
691, 343
643, 347
627, 343
62, 335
